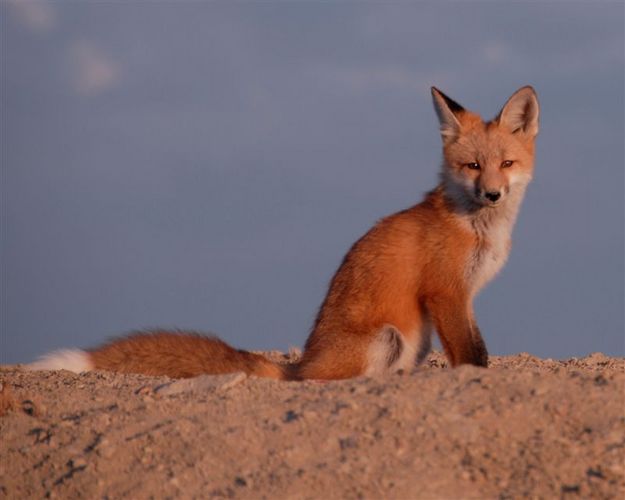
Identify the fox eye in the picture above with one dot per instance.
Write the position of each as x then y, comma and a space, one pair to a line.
472, 165
506, 164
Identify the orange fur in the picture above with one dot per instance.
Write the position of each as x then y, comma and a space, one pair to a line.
179, 355
416, 268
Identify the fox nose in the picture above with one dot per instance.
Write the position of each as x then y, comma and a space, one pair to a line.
492, 195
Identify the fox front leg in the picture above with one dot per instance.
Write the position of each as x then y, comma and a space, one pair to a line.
456, 327
479, 345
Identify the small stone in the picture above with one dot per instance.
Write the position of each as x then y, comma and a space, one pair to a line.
596, 473
144, 390
106, 449
77, 463
569, 488
597, 358
30, 408
600, 380
348, 442
290, 416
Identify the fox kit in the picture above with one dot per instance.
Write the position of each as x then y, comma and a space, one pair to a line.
415, 270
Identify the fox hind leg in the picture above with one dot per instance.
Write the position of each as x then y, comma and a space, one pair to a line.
391, 351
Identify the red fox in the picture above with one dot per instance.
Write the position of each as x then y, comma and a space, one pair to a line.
414, 270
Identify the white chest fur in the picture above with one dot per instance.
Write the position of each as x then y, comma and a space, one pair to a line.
492, 231
488, 257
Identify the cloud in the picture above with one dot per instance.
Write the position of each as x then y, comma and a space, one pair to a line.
93, 71
38, 16
495, 52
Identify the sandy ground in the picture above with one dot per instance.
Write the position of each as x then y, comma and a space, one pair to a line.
525, 427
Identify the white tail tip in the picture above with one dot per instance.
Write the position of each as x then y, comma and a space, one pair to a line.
74, 360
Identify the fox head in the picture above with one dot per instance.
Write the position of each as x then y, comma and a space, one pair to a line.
484, 163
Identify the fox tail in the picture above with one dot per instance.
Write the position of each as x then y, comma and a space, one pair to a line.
174, 354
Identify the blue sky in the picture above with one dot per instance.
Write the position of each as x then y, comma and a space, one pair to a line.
207, 165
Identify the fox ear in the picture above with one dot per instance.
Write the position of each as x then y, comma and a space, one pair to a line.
520, 113
447, 111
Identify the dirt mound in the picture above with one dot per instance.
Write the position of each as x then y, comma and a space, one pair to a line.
524, 427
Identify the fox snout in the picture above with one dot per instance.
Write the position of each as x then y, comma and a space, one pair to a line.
489, 196
491, 183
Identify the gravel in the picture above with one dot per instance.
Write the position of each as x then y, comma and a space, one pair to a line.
525, 427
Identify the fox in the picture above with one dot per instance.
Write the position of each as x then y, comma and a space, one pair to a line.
414, 272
